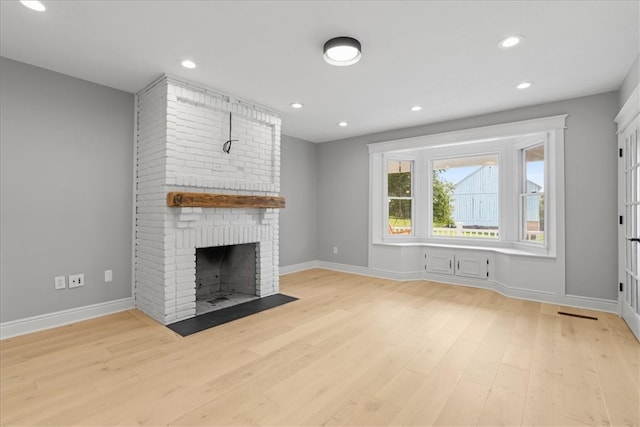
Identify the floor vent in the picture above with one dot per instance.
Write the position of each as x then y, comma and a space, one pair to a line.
577, 315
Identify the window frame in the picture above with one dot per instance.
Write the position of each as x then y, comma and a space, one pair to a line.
471, 153
387, 198
507, 139
522, 177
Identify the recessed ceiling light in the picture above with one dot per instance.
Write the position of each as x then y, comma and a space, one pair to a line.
510, 41
296, 105
416, 108
524, 85
342, 124
187, 63
342, 51
34, 5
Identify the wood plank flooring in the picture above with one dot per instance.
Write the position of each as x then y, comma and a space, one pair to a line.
352, 351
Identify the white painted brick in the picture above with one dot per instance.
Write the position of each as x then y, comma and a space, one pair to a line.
179, 148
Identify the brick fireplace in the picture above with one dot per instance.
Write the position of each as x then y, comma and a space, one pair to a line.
181, 132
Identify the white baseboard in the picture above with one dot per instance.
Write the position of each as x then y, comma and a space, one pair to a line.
353, 269
298, 267
525, 294
591, 303
60, 318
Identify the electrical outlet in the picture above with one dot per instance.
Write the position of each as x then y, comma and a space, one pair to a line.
76, 280
60, 282
335, 250
108, 276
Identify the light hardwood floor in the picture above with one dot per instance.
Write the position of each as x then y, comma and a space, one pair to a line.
352, 351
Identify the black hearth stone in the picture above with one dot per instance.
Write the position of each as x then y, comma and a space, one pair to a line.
218, 317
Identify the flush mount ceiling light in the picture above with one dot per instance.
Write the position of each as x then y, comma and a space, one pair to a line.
296, 105
524, 85
187, 63
510, 41
342, 51
416, 108
343, 124
34, 5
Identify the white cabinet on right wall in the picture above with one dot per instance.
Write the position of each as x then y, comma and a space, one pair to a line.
457, 262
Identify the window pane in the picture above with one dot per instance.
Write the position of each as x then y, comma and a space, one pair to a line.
466, 200
534, 169
533, 198
399, 216
533, 209
399, 178
399, 192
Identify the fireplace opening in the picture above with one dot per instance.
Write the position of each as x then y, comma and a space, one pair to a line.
225, 276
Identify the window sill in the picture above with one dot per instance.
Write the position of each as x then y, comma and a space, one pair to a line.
505, 248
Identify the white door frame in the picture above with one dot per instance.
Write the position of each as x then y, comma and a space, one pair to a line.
628, 121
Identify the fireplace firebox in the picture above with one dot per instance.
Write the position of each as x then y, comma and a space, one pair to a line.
225, 276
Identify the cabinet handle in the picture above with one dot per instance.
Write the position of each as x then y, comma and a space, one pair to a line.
458, 265
449, 264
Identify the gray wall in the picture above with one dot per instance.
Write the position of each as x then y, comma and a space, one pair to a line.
66, 150
590, 174
343, 201
630, 82
299, 185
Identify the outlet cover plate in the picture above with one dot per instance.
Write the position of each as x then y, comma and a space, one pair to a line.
76, 280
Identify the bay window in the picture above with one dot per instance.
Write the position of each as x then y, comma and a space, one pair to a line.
498, 187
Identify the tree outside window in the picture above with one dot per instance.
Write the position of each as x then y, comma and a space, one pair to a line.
442, 208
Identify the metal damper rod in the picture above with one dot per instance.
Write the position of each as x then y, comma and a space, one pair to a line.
227, 145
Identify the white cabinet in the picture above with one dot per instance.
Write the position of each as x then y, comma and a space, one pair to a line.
439, 262
472, 265
457, 262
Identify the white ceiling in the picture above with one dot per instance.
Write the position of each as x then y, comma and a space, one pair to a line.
441, 55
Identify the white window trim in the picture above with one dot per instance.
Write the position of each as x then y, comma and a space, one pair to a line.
458, 142
486, 133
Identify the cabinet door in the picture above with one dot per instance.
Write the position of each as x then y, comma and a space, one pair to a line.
472, 265
440, 262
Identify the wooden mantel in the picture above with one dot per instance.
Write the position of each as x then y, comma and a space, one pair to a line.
178, 199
